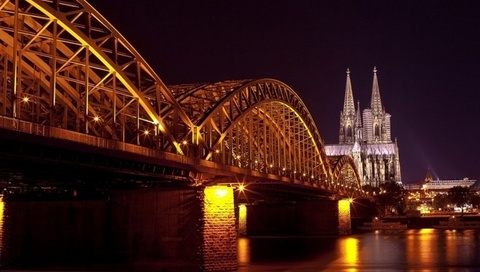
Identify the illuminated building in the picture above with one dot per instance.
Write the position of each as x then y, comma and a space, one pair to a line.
440, 185
367, 138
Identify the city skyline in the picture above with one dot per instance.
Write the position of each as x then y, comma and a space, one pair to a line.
426, 54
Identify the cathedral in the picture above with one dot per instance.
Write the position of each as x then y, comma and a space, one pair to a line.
366, 137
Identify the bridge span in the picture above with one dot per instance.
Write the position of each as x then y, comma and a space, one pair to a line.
75, 93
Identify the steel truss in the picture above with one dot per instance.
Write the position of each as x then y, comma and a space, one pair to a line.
63, 65
260, 125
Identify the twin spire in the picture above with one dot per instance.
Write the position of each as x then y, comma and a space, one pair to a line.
376, 122
375, 102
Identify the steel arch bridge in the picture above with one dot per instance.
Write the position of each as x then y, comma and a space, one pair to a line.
64, 66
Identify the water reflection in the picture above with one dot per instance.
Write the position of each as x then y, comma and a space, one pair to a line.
411, 250
31, 233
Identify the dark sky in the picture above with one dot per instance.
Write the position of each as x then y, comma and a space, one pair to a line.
427, 54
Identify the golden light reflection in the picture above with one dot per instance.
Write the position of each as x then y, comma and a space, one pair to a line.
451, 249
243, 251
351, 248
420, 247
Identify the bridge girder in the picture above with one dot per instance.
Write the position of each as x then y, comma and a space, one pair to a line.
345, 174
259, 124
63, 65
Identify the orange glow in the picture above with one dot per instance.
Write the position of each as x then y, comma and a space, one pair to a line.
241, 187
96, 118
243, 250
221, 192
344, 221
146, 132
350, 251
25, 99
242, 219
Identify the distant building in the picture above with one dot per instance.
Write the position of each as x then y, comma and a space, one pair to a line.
367, 138
440, 185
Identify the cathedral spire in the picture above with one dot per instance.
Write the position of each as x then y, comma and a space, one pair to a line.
376, 102
347, 116
348, 103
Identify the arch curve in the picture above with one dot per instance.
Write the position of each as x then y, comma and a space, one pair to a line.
345, 172
259, 124
79, 73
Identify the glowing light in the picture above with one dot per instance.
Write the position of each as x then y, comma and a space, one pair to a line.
351, 249
184, 142
217, 151
344, 221
221, 192
96, 118
146, 132
242, 219
241, 187
219, 235
25, 99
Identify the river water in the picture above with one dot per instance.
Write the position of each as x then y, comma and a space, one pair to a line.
27, 242
410, 250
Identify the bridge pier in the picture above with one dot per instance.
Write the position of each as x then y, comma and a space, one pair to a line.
189, 227
306, 217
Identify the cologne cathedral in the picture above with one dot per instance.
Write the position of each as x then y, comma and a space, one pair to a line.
366, 137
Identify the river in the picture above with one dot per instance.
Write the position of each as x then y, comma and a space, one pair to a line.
29, 242
410, 250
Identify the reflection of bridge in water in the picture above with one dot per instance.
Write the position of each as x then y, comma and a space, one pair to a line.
74, 94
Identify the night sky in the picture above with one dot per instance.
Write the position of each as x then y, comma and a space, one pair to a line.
427, 54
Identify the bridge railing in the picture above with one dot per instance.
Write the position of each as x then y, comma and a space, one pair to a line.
73, 136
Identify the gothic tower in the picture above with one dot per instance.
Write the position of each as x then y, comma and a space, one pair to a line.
347, 116
376, 121
367, 141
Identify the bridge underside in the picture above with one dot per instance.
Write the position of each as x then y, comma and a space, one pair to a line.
29, 160
278, 191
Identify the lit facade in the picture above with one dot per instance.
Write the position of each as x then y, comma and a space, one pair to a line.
366, 137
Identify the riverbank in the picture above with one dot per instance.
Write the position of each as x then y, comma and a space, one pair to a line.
425, 221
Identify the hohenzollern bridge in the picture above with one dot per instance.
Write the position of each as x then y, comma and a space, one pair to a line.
74, 93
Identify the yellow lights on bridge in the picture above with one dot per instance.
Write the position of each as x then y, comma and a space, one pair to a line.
96, 118
25, 99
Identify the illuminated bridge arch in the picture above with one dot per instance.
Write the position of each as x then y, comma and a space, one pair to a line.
345, 174
260, 125
63, 65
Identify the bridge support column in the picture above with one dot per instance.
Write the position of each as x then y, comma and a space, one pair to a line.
192, 227
324, 217
219, 248
307, 217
